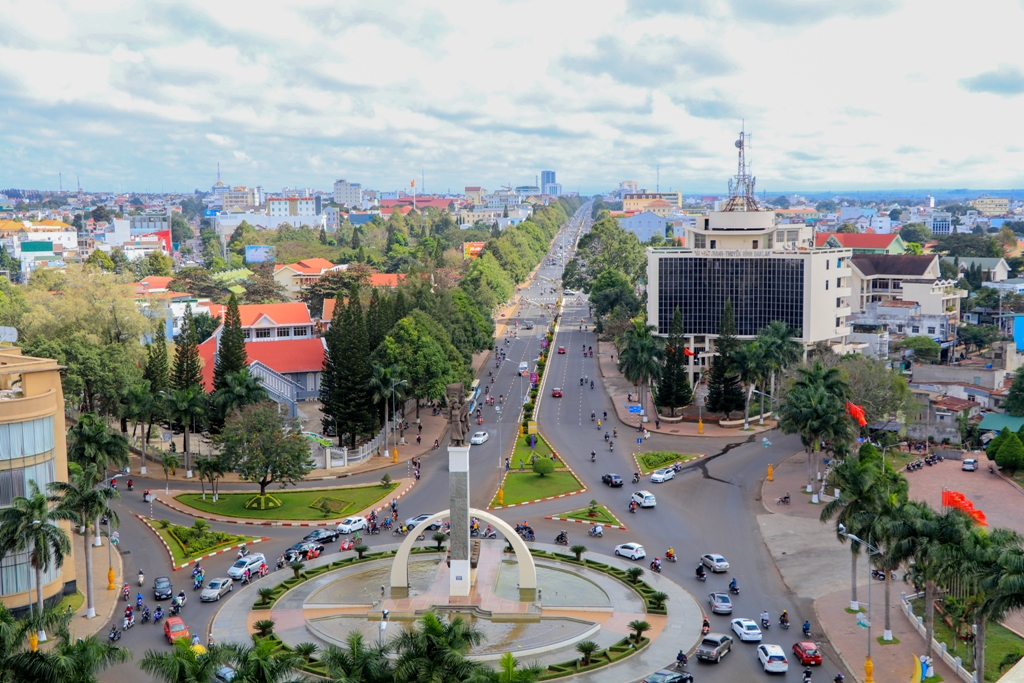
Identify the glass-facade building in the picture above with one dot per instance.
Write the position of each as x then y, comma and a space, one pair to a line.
761, 290
32, 449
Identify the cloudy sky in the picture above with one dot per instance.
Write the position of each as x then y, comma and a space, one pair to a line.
852, 94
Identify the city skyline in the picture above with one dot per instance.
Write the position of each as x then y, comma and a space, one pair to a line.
857, 96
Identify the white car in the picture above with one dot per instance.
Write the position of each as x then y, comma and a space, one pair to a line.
523, 367
644, 499
773, 658
215, 589
970, 465
747, 630
251, 562
352, 524
633, 551
662, 475
714, 562
479, 438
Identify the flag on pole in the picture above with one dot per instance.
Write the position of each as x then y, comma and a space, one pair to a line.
412, 183
688, 352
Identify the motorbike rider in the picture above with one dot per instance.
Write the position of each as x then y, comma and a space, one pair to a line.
593, 415
615, 432
670, 553
807, 675
700, 571
838, 678
807, 626
113, 635
593, 456
142, 577
656, 565
707, 625
681, 659
764, 617
158, 613
138, 600
734, 585
591, 384
632, 506
784, 618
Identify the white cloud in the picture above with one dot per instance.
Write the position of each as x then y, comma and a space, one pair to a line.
861, 94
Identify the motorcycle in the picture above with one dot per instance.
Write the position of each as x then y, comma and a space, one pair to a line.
783, 500
807, 676
127, 623
807, 630
158, 615
735, 590
878, 574
145, 616
784, 623
597, 531
655, 567
701, 574
491, 534
765, 624
636, 477
562, 539
142, 578
114, 634
671, 558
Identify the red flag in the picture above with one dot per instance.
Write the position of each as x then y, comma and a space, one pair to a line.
688, 352
856, 412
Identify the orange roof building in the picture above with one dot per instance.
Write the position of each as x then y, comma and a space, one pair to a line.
295, 276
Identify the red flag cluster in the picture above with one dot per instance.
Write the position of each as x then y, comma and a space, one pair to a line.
955, 499
856, 412
688, 352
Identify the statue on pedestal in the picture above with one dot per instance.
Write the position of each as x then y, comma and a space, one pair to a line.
458, 414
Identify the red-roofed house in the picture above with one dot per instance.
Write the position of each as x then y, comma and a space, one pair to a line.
386, 279
861, 243
294, 276
421, 203
152, 284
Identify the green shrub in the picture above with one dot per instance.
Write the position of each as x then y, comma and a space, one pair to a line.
542, 466
196, 541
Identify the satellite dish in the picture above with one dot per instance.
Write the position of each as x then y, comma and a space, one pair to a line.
739, 143
8, 335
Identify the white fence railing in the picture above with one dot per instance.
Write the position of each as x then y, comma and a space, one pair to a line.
333, 457
954, 663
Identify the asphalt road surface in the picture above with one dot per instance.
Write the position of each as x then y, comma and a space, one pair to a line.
709, 507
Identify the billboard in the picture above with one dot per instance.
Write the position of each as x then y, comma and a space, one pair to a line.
472, 249
209, 213
259, 253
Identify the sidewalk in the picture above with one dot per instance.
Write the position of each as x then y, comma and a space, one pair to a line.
815, 565
106, 600
619, 388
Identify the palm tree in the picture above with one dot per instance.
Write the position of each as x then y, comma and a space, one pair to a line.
587, 648
815, 410
261, 663
182, 664
749, 362
638, 627
386, 385
640, 356
29, 525
170, 463
854, 509
185, 406
510, 671
891, 525
86, 502
780, 350
357, 663
435, 650
240, 389
76, 660
90, 442
135, 407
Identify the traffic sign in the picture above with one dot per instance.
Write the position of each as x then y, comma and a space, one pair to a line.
639, 441
635, 409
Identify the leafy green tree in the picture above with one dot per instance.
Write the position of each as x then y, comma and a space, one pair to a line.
231, 355
240, 389
881, 391
121, 263
848, 228
1010, 455
186, 407
386, 385
205, 325
180, 229
974, 246
74, 660
187, 371
197, 281
87, 502
780, 202
673, 386
92, 445
101, 260
157, 371
334, 285
30, 525
101, 215
724, 393
261, 287
262, 447
640, 357
344, 388
978, 336
436, 650
169, 462
916, 232
1014, 403
749, 362
183, 664
925, 349
357, 661
826, 206
543, 466
262, 662
815, 409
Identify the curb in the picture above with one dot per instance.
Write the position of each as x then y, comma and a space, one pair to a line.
698, 456
580, 521
540, 500
251, 522
176, 567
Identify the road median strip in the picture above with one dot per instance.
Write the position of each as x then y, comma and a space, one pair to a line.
170, 554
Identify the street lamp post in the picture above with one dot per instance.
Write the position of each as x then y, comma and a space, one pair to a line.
869, 667
901, 443
394, 420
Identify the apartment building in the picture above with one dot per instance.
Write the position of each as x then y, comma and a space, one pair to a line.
241, 197
768, 271
33, 448
348, 194
861, 243
992, 206
292, 207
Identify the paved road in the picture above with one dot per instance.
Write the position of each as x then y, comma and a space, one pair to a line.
710, 507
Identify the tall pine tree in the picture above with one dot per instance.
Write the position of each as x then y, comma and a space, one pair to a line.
724, 392
673, 386
188, 367
157, 371
345, 392
231, 357
376, 321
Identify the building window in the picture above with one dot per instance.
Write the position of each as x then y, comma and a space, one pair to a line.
931, 330
301, 331
915, 330
839, 282
839, 322
754, 244
839, 302
826, 284
899, 329
284, 332
248, 334
827, 264
700, 241
714, 243
263, 334
977, 380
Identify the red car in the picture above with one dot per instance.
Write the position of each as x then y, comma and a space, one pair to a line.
175, 628
561, 349
557, 392
807, 653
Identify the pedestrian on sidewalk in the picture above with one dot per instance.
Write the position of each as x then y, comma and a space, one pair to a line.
629, 398
417, 439
508, 464
657, 423
419, 428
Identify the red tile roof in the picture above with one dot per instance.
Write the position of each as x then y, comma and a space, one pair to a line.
310, 266
855, 240
283, 356
154, 283
292, 313
328, 313
386, 279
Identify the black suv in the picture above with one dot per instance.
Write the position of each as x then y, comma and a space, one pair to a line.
612, 480
162, 588
322, 536
300, 551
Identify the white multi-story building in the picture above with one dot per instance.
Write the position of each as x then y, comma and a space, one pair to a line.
501, 199
553, 189
240, 196
291, 206
348, 194
940, 222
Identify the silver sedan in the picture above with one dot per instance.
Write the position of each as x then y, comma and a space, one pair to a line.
215, 589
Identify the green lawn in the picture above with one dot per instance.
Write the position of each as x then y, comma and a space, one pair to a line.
523, 452
73, 601
302, 504
656, 459
521, 487
178, 553
999, 642
604, 516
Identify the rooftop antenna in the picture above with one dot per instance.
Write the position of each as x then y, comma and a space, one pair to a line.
657, 181
742, 195
218, 171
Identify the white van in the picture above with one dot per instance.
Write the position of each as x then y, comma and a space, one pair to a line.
523, 367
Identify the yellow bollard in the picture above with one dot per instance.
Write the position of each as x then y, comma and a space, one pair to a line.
110, 580
501, 495
770, 473
33, 641
394, 454
700, 426
869, 671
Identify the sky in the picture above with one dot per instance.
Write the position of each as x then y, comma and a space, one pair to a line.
859, 94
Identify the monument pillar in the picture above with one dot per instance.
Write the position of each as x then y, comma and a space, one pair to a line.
458, 543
